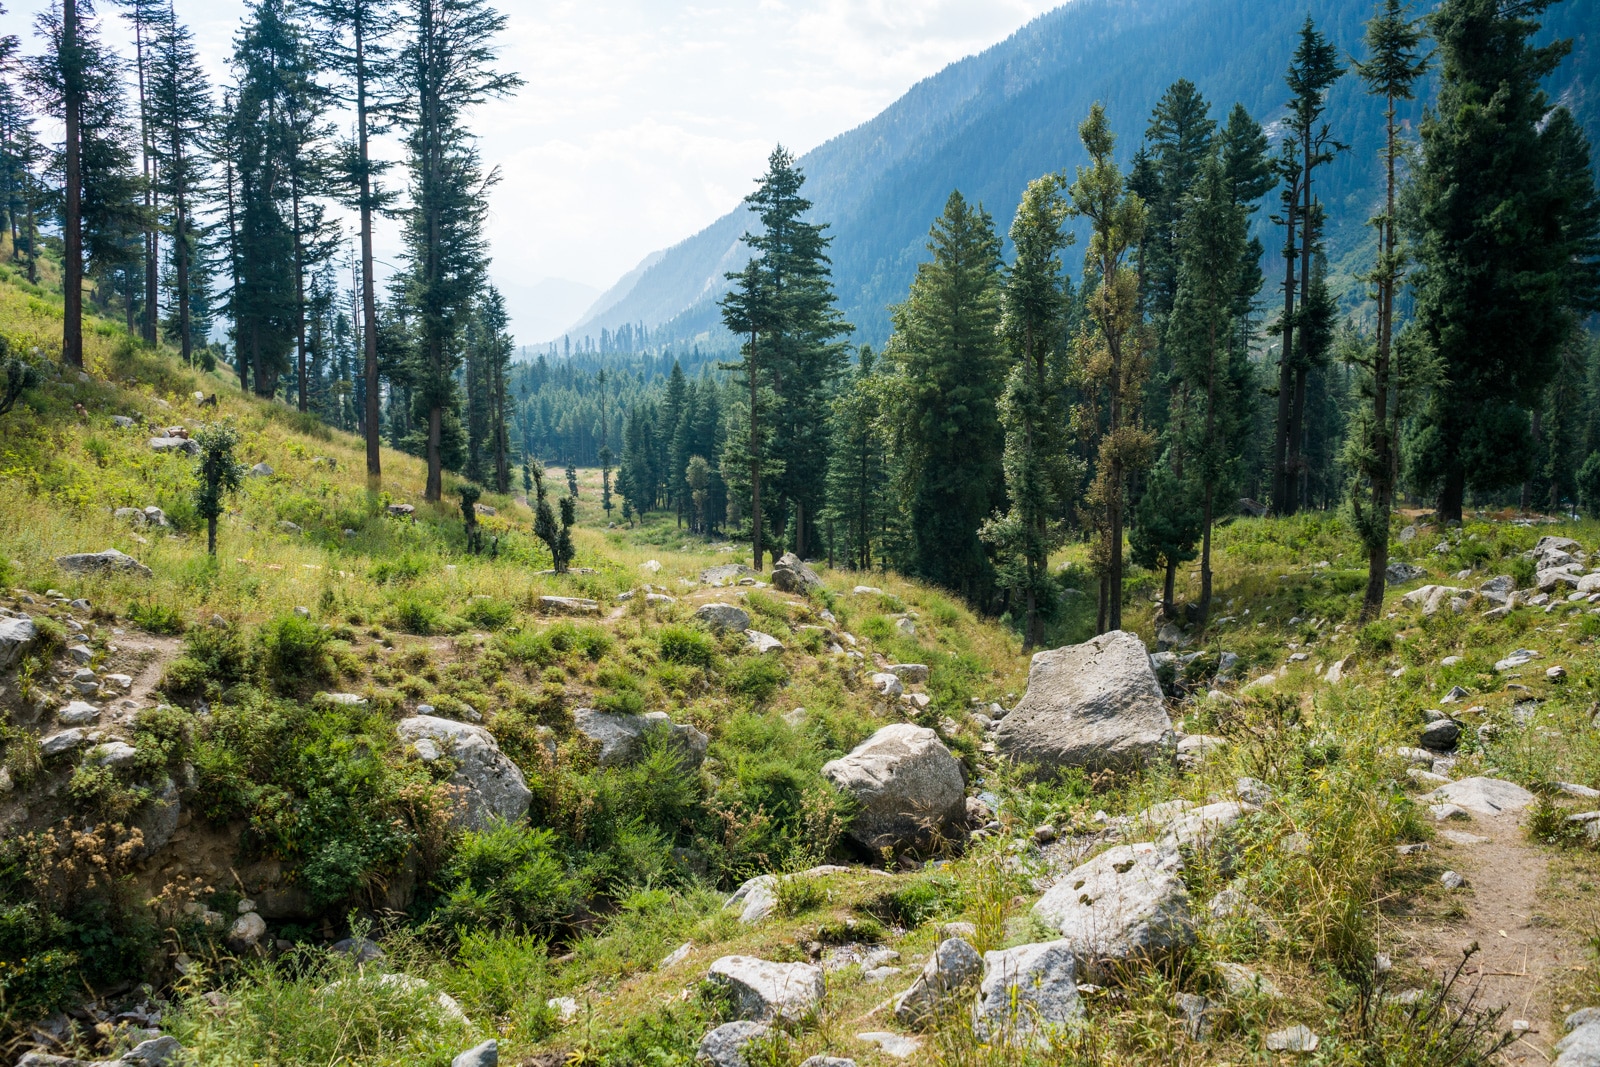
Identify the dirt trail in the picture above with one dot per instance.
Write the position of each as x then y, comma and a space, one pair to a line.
1523, 955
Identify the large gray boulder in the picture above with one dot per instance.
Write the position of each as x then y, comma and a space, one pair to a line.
108, 562
908, 786
484, 1055
953, 968
1483, 796
1401, 573
1126, 905
791, 575
762, 991
1581, 1047
1094, 705
726, 574
723, 616
16, 638
724, 1046
624, 739
1028, 991
492, 786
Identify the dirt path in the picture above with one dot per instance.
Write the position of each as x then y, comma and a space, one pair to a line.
1523, 955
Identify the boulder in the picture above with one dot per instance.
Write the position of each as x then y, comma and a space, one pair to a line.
1401, 573
623, 739
1028, 991
163, 1051
762, 991
1431, 598
909, 673
399, 511
1094, 705
484, 1055
492, 785
108, 562
723, 616
174, 444
1589, 584
17, 636
1126, 905
886, 684
247, 929
65, 741
1557, 579
1200, 828
1520, 658
724, 1046
759, 897
908, 786
762, 643
1482, 796
726, 574
954, 967
569, 605
1580, 1048
78, 713
261, 470
791, 575
1441, 735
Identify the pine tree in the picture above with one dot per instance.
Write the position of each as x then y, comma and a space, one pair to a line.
444, 70
748, 313
1178, 140
1040, 470
942, 404
1167, 527
1310, 144
217, 474
606, 460
147, 17
1503, 247
60, 79
354, 37
1110, 358
857, 470
180, 117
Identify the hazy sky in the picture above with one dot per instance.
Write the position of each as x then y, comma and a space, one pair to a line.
644, 120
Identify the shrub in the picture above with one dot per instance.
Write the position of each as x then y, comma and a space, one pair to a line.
414, 615
508, 877
757, 677
1524, 570
530, 648
214, 660
398, 571
623, 702
156, 618
295, 653
918, 901
488, 613
1375, 638
688, 646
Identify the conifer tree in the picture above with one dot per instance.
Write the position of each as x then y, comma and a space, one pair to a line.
1040, 469
606, 460
180, 116
748, 313
942, 404
217, 474
1110, 358
1505, 247
444, 70
60, 79
857, 469
1393, 65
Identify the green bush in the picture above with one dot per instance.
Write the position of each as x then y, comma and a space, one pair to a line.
214, 660
918, 901
508, 877
1524, 570
413, 615
295, 653
688, 646
757, 677
398, 571
529, 648
156, 618
488, 613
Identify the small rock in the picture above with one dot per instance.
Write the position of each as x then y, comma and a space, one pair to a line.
724, 1046
78, 713
261, 470
1441, 735
1452, 880
886, 684
762, 643
1240, 980
763, 991
953, 967
1483, 796
1297, 1038
484, 1055
898, 1046
102, 562
723, 617
1030, 991
80, 653
247, 929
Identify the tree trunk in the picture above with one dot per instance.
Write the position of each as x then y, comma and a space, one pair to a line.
435, 487
72, 269
303, 397
152, 240
1280, 444
1168, 589
755, 464
211, 534
1205, 556
369, 303
1452, 494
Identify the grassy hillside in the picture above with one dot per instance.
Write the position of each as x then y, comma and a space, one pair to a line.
554, 936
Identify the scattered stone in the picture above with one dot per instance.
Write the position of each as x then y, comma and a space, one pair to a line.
1129, 903
1458, 837
1252, 791
109, 561
1452, 880
17, 636
1520, 658
359, 949
1483, 796
952, 968
1094, 705
828, 1061
759, 895
78, 713
160, 1051
1573, 789
1441, 735
762, 991
174, 444
114, 754
1455, 696
1196, 1012
1446, 812
886, 684
248, 929
791, 575
1029, 991
723, 617
401, 511
1401, 573
484, 1055
907, 784
569, 605
905, 627
1556, 673
724, 1046
1297, 1038
65, 741
898, 1046
725, 574
1240, 980
493, 787
909, 673
624, 739
676, 956
1194, 748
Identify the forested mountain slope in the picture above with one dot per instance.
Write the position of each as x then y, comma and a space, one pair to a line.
990, 123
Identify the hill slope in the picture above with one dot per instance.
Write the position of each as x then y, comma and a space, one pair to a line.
990, 123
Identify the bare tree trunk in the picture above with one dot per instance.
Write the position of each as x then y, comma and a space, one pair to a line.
1280, 445
755, 462
369, 303
72, 269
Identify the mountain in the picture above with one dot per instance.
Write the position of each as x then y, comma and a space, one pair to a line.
990, 123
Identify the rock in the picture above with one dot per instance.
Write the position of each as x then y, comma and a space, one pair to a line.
1520, 658
1580, 1048
791, 575
651, 566
953, 967
724, 1046
78, 713
898, 1046
908, 786
1336, 672
722, 617
261, 470
762, 991
65, 741
1297, 1038
1171, 636
1029, 991
1589, 584
401, 511
762, 643
886, 684
909, 673
676, 956
247, 929
1193, 749
1556, 580
569, 605
1557, 673
1441, 735
1431, 598
1483, 796
1583, 792
658, 599
759, 895
1401, 573
1240, 980
123, 422
17, 636
725, 574
624, 739
494, 787
160, 1051
1127, 904
867, 590
1452, 880
1094, 705
484, 1055
359, 949
109, 561
1199, 828
905, 627
114, 754
828, 1061
175, 444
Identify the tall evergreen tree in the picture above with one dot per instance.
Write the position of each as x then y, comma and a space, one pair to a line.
1111, 363
445, 69
180, 117
857, 471
1040, 469
748, 313
1504, 249
943, 402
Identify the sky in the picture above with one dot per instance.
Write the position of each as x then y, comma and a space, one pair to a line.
642, 121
